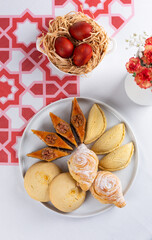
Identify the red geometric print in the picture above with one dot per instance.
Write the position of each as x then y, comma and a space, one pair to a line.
27, 65
27, 113
37, 89
9, 94
10, 147
102, 10
4, 42
3, 122
59, 2
36, 56
3, 156
117, 21
92, 3
126, 1
3, 137
5, 89
22, 19
27, 80
4, 56
4, 23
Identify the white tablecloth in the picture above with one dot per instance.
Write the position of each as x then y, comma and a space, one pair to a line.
21, 218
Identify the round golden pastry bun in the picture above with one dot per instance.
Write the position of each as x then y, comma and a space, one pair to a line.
64, 193
38, 178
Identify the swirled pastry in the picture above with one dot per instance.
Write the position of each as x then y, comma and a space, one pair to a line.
110, 140
107, 189
83, 166
118, 159
96, 124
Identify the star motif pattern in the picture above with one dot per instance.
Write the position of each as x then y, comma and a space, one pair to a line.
28, 81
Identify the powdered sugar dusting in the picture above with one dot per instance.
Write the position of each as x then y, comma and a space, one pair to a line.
107, 185
84, 162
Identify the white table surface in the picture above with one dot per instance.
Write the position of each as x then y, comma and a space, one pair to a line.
22, 218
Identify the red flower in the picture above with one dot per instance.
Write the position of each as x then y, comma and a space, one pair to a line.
145, 60
133, 65
144, 78
148, 54
148, 41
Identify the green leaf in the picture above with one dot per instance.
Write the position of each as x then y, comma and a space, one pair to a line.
151, 81
134, 74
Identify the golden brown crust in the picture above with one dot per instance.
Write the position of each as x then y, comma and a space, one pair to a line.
78, 120
64, 193
110, 140
51, 139
107, 189
37, 180
48, 154
96, 124
83, 166
63, 128
118, 159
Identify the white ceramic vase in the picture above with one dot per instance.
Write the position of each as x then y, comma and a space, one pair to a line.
138, 95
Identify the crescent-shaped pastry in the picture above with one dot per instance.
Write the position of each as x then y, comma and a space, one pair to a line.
78, 120
48, 154
110, 140
83, 166
107, 189
37, 180
96, 124
51, 139
118, 159
63, 128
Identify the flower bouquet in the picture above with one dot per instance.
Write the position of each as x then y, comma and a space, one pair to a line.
141, 66
141, 69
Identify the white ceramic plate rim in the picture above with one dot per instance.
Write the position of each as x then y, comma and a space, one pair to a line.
115, 113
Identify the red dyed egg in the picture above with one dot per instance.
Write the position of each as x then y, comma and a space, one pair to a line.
82, 54
80, 30
64, 47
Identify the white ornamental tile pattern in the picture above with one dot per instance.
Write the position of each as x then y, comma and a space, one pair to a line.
27, 80
32, 82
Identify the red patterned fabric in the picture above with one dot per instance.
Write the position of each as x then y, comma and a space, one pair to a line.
28, 81
116, 12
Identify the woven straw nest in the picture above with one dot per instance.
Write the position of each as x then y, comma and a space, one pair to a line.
60, 27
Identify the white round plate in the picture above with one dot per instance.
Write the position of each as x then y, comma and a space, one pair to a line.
62, 108
138, 95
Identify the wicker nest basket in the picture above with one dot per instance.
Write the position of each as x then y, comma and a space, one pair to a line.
60, 27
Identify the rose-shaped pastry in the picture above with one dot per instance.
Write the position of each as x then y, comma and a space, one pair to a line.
83, 166
107, 189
